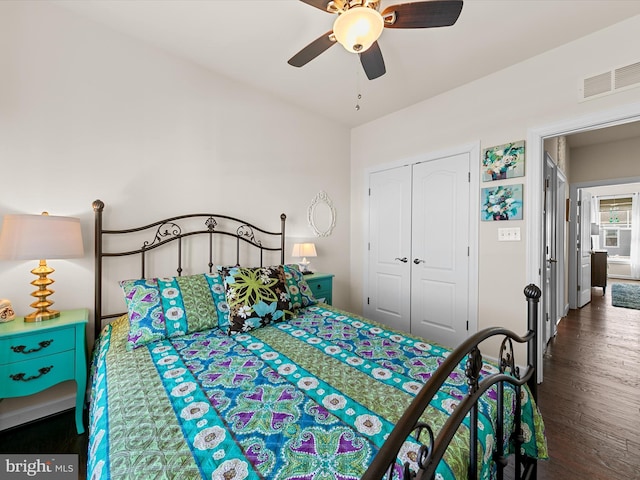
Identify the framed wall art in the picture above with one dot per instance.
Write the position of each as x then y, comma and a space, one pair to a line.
503, 161
502, 203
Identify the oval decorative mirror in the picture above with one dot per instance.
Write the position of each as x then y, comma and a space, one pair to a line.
322, 215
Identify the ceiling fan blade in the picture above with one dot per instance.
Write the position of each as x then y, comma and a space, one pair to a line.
321, 4
312, 50
372, 62
436, 13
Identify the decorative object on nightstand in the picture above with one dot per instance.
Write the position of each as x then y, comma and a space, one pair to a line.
321, 285
6, 311
37, 356
304, 250
40, 237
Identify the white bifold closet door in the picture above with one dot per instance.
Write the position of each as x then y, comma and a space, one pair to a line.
419, 248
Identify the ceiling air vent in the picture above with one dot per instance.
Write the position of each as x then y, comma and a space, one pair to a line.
613, 81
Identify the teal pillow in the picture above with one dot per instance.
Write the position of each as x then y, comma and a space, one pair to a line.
187, 303
256, 297
168, 307
146, 318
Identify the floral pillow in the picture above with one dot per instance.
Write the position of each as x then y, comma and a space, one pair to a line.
167, 307
256, 297
301, 294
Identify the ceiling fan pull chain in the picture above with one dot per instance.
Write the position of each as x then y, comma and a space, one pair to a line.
358, 88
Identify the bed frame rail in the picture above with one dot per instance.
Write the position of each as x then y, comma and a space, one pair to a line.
432, 451
177, 229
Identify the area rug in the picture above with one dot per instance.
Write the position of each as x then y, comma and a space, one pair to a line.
625, 295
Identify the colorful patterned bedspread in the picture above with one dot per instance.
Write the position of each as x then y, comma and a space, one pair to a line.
312, 398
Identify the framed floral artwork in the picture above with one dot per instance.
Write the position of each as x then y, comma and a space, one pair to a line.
502, 203
503, 161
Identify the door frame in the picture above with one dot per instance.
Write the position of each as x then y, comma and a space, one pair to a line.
534, 181
473, 150
551, 244
562, 306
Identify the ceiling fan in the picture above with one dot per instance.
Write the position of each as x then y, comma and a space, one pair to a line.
359, 25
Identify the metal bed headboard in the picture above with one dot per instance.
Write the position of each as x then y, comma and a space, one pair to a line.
175, 229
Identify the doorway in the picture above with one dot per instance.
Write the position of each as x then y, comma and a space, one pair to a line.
536, 254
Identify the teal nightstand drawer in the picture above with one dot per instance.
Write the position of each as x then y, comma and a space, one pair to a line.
37, 344
31, 376
37, 355
321, 285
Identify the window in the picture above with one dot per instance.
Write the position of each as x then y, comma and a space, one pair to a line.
615, 211
615, 225
611, 237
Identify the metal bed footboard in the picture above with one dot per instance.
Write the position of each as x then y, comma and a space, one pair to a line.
432, 451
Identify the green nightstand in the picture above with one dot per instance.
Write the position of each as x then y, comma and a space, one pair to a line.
321, 285
38, 355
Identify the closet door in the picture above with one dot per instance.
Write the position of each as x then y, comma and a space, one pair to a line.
390, 248
439, 252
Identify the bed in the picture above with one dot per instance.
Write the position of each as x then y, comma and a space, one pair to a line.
234, 371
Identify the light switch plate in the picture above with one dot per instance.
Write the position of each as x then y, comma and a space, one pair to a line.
509, 234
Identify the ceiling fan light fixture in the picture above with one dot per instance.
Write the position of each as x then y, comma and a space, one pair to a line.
358, 28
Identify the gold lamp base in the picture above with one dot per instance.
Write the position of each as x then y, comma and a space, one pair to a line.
42, 304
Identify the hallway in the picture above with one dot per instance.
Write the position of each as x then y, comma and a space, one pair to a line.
590, 397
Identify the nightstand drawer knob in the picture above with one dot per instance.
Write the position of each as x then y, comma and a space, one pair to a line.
21, 348
19, 377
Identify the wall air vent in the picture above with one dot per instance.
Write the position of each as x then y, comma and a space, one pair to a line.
616, 80
597, 85
627, 76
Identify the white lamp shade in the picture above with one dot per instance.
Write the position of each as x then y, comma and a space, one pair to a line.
304, 250
357, 28
40, 237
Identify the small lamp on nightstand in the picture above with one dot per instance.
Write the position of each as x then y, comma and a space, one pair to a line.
304, 250
36, 237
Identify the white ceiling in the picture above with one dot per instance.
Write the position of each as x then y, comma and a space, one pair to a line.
250, 41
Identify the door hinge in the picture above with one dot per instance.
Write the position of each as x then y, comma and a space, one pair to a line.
369, 192
369, 246
579, 287
467, 325
546, 183
468, 251
469, 177
367, 300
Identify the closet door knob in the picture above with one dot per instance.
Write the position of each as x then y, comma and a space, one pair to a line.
403, 259
417, 261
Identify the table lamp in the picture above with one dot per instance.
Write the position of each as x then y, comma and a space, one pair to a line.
304, 250
40, 237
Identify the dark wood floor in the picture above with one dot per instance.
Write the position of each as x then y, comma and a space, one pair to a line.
590, 396
590, 401
54, 434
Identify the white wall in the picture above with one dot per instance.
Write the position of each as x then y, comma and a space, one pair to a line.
87, 113
606, 161
494, 110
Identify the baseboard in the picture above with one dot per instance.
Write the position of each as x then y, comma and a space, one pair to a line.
17, 411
